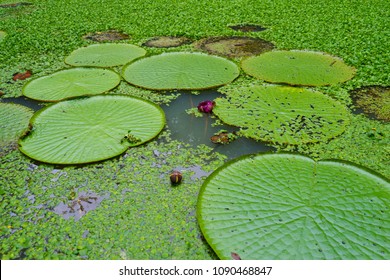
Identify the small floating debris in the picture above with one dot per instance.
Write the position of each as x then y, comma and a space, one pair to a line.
373, 101
109, 35
223, 137
22, 76
235, 46
166, 42
80, 205
245, 27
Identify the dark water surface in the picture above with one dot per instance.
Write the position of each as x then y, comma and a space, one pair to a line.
186, 127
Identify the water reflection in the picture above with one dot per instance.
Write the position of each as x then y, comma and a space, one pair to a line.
198, 130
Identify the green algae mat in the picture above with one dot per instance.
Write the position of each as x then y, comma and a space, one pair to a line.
91, 129
285, 206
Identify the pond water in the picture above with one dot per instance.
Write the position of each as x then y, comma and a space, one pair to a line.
186, 127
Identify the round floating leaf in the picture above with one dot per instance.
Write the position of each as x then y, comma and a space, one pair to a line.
70, 83
104, 55
285, 206
14, 121
180, 71
283, 114
91, 129
298, 68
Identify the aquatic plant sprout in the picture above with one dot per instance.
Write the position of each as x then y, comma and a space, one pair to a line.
288, 206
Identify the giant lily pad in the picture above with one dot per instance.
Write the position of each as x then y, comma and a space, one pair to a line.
283, 114
285, 206
180, 70
14, 121
104, 55
70, 83
298, 68
91, 129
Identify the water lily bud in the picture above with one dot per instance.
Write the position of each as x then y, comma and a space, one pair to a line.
206, 106
176, 177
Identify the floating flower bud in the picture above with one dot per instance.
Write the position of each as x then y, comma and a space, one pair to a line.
176, 177
206, 106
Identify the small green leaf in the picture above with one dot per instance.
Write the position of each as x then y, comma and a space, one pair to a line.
14, 121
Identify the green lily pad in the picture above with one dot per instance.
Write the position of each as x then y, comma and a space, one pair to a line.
180, 70
282, 114
298, 68
91, 129
285, 206
14, 121
70, 83
105, 55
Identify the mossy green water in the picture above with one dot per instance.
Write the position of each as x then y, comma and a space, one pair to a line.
127, 224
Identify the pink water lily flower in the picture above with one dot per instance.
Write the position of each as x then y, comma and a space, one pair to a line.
206, 106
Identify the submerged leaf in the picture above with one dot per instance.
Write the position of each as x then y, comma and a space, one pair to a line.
285, 206
283, 114
91, 129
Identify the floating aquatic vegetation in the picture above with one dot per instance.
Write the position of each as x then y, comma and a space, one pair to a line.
286, 206
2, 35
70, 83
180, 70
374, 101
223, 137
246, 27
234, 46
282, 114
105, 55
14, 121
90, 129
298, 68
14, 5
166, 42
109, 35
